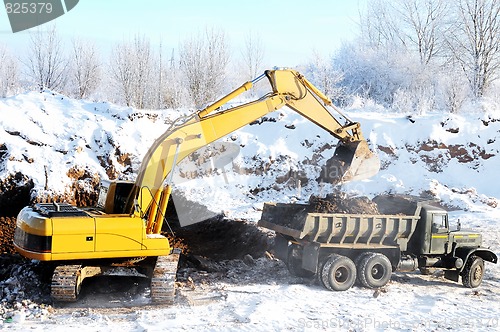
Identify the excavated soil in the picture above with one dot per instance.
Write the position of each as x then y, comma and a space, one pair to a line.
7, 228
222, 239
294, 215
340, 202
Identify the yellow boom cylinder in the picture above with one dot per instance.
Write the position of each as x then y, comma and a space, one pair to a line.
163, 208
153, 212
209, 109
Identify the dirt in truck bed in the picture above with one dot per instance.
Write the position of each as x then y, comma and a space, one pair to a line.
293, 216
340, 202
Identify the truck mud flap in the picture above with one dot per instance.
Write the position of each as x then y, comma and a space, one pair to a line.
310, 257
281, 247
452, 275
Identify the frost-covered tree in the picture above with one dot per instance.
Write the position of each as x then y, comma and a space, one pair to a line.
423, 26
412, 25
475, 42
122, 72
172, 90
379, 25
322, 73
9, 78
132, 68
395, 79
85, 68
252, 57
46, 65
203, 62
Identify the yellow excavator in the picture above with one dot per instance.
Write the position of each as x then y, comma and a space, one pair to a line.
123, 231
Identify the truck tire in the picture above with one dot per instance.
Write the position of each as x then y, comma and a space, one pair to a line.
357, 262
294, 264
473, 272
374, 270
338, 273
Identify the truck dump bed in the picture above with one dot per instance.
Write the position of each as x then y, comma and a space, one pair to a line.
295, 221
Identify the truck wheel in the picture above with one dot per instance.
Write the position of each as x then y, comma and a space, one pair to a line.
472, 275
375, 271
294, 264
357, 262
338, 273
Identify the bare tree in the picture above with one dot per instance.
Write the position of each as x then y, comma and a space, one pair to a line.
203, 61
414, 25
122, 71
475, 42
9, 79
132, 69
172, 90
424, 22
252, 56
145, 65
46, 64
380, 27
85, 68
323, 74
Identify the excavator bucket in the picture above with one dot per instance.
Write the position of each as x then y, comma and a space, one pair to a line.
355, 161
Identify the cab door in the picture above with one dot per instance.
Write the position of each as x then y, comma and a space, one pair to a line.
440, 234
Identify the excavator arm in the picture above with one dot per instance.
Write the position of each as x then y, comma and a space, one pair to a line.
289, 88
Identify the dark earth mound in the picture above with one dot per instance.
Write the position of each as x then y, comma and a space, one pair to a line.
7, 228
222, 239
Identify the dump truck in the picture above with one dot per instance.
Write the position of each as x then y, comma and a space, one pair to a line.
341, 248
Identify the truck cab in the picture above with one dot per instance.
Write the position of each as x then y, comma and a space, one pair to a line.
433, 234
457, 251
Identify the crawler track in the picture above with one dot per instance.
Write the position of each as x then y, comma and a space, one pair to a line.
66, 283
163, 280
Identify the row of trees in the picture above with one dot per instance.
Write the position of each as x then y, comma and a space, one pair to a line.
411, 55
424, 54
136, 74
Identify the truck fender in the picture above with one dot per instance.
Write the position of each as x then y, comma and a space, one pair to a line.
484, 253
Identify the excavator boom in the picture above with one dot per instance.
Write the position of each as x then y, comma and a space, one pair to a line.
353, 159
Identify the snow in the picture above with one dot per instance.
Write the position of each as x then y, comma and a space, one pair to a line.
419, 154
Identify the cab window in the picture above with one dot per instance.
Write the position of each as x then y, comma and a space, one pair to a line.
439, 223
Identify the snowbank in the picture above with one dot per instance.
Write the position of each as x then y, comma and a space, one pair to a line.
64, 146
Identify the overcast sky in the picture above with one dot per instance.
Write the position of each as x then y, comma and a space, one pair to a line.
290, 30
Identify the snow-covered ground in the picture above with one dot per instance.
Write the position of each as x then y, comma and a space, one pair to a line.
265, 297
453, 157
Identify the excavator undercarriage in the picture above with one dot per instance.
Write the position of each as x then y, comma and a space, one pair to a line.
67, 279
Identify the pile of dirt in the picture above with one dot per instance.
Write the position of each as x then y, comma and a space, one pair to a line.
340, 202
221, 239
7, 228
15, 193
